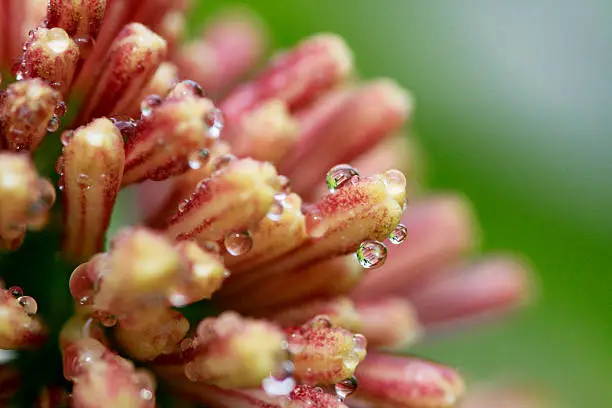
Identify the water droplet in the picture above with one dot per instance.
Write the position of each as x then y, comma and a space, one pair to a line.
238, 243
61, 109
15, 291
339, 175
316, 226
210, 246
284, 187
198, 159
214, 121
148, 104
106, 319
19, 76
321, 322
395, 182
126, 126
29, 305
86, 45
59, 165
46, 198
371, 254
399, 235
147, 383
67, 137
54, 124
360, 342
351, 360
81, 285
280, 383
276, 211
84, 181
61, 183
223, 161
182, 205
346, 388
178, 299
194, 87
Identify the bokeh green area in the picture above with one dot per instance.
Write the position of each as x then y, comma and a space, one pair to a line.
514, 106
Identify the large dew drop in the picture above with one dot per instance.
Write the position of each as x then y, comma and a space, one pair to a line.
346, 388
399, 235
339, 175
316, 226
148, 104
238, 243
371, 254
280, 383
214, 122
29, 305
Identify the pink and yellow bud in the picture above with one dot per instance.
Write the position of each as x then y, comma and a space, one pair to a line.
27, 112
173, 135
128, 66
408, 382
230, 351
233, 200
51, 55
91, 170
324, 354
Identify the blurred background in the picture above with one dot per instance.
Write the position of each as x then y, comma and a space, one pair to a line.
514, 103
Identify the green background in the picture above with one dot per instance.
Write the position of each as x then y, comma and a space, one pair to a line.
513, 108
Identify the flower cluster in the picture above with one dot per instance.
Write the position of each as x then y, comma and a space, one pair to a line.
261, 272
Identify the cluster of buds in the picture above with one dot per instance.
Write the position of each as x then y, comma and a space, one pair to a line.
258, 275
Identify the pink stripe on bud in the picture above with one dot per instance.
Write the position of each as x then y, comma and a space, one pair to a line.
128, 66
91, 167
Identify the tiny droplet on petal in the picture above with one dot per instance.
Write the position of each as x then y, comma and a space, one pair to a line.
339, 175
346, 388
66, 137
198, 159
54, 124
214, 122
276, 211
16, 291
371, 254
29, 305
148, 104
238, 243
399, 235
360, 342
316, 226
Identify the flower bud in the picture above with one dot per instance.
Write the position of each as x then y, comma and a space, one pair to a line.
91, 170
26, 111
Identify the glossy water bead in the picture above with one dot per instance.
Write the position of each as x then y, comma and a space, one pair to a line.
398, 235
371, 254
346, 388
339, 175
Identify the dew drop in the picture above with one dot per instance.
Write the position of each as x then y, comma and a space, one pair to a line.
351, 360
321, 322
81, 285
148, 104
284, 187
346, 388
86, 45
238, 243
61, 183
16, 291
214, 121
316, 226
29, 305
19, 76
126, 126
371, 254
194, 87
147, 383
276, 211
106, 319
281, 382
46, 198
84, 181
67, 137
223, 161
339, 175
61, 109
182, 205
395, 182
399, 235
210, 246
54, 124
360, 342
198, 159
